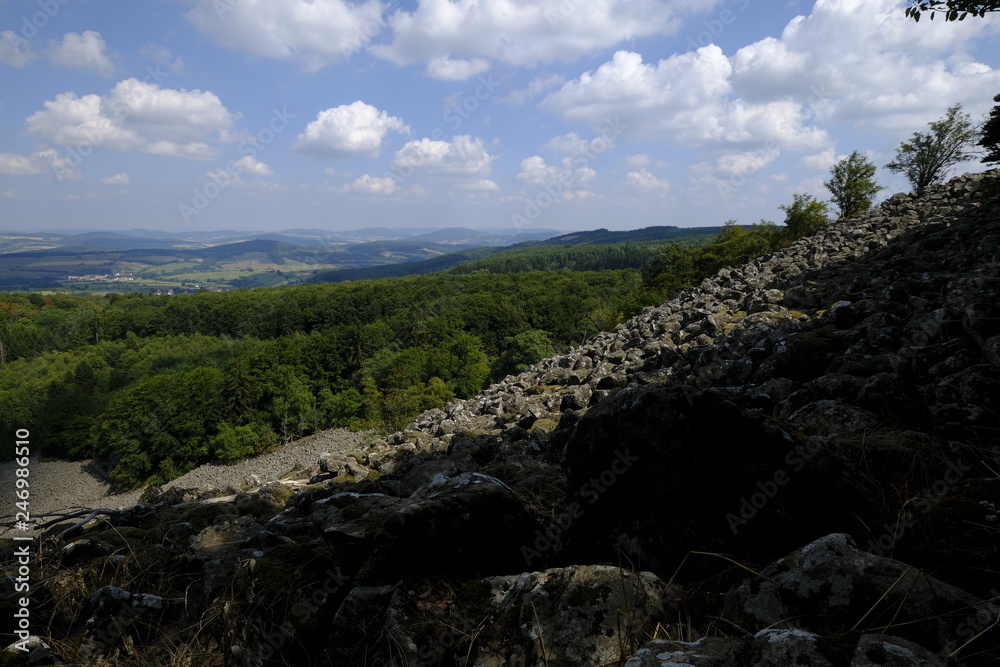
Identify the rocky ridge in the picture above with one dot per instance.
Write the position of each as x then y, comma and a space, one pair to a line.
793, 463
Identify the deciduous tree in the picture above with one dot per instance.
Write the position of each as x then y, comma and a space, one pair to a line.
927, 156
853, 185
805, 215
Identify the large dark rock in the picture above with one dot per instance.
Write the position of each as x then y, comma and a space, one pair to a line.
659, 471
831, 587
464, 526
580, 615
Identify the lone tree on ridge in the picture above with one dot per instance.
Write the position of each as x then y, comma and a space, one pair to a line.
853, 185
927, 156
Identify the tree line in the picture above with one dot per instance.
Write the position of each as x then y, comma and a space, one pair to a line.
161, 384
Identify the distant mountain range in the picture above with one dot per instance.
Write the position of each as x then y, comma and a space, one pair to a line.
151, 239
648, 235
146, 260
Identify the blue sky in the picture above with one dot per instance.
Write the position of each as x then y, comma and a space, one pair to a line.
568, 114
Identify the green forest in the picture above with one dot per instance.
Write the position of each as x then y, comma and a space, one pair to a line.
157, 385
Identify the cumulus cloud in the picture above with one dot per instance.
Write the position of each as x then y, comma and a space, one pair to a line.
315, 33
882, 71
534, 170
524, 32
645, 182
822, 160
86, 51
248, 164
136, 115
685, 98
370, 185
449, 69
482, 185
13, 164
14, 50
350, 129
120, 178
639, 160
746, 163
463, 156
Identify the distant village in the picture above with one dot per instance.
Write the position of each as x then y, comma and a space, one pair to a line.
128, 277
100, 278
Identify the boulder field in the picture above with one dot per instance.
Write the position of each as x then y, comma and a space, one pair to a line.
797, 462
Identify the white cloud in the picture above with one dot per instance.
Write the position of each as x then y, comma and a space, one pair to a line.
882, 71
639, 160
314, 32
747, 163
120, 178
685, 98
643, 181
534, 170
524, 32
14, 50
448, 69
482, 185
135, 116
822, 160
355, 128
248, 164
370, 185
681, 96
86, 51
12, 164
463, 156
193, 150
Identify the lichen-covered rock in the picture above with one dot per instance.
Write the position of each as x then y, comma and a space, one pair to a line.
886, 651
580, 615
774, 647
705, 652
831, 586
